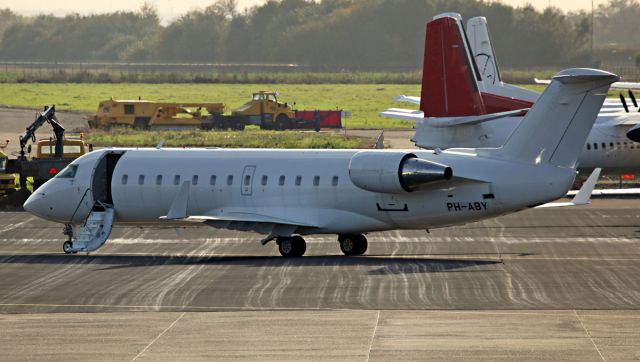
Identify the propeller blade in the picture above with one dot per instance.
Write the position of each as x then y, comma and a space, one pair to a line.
633, 98
624, 103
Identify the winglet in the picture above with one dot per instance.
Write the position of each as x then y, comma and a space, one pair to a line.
178, 209
583, 196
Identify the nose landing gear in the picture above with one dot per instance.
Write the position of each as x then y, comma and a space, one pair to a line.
67, 246
353, 244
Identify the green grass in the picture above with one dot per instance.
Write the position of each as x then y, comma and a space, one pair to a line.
250, 138
364, 101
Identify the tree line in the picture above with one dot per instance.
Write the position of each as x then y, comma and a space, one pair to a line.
329, 34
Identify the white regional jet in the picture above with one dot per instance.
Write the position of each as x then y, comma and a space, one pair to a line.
288, 193
466, 104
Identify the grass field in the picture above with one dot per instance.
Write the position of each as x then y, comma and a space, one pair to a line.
249, 138
364, 101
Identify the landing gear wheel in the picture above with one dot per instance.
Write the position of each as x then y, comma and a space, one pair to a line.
291, 247
353, 244
67, 247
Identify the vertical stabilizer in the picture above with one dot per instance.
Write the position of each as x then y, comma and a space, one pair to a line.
449, 87
556, 128
480, 45
491, 85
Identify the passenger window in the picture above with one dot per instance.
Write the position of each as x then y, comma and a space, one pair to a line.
588, 146
230, 180
281, 181
194, 180
618, 144
141, 180
159, 180
316, 180
247, 180
611, 144
212, 180
176, 180
595, 146
298, 180
604, 146
334, 181
125, 178
264, 180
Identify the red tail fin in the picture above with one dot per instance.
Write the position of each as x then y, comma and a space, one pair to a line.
449, 87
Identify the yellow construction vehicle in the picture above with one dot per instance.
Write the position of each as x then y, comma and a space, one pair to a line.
265, 111
144, 114
7, 180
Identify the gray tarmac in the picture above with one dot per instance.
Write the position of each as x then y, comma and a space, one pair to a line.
540, 284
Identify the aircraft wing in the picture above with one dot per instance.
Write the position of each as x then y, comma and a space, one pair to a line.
583, 197
260, 222
418, 117
408, 99
616, 85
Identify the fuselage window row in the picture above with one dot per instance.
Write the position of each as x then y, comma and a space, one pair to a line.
247, 180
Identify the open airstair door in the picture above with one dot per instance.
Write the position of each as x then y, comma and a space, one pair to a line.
96, 228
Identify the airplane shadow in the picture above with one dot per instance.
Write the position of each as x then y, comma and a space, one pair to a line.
382, 265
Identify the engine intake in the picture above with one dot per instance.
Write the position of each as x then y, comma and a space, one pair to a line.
394, 172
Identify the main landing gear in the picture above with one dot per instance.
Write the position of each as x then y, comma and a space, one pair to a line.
295, 246
353, 244
292, 246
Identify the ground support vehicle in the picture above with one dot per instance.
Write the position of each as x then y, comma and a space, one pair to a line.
264, 110
143, 114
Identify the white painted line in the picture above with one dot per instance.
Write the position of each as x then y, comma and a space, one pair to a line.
373, 336
589, 335
158, 337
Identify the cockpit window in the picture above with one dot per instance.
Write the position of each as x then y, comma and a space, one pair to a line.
68, 172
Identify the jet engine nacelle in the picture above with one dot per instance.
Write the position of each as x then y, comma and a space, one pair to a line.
394, 172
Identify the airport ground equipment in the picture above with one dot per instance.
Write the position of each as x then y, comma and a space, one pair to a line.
52, 155
145, 114
266, 111
7, 180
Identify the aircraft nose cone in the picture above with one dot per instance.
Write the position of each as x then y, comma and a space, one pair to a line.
36, 204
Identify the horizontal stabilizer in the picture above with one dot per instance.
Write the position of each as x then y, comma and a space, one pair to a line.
408, 99
418, 116
404, 114
583, 197
615, 85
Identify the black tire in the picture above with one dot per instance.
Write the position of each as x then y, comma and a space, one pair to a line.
283, 122
353, 244
238, 127
66, 247
141, 123
291, 247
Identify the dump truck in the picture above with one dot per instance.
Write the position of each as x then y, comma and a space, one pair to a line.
143, 114
266, 111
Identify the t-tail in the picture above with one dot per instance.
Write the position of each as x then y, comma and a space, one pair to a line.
481, 50
451, 82
555, 129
